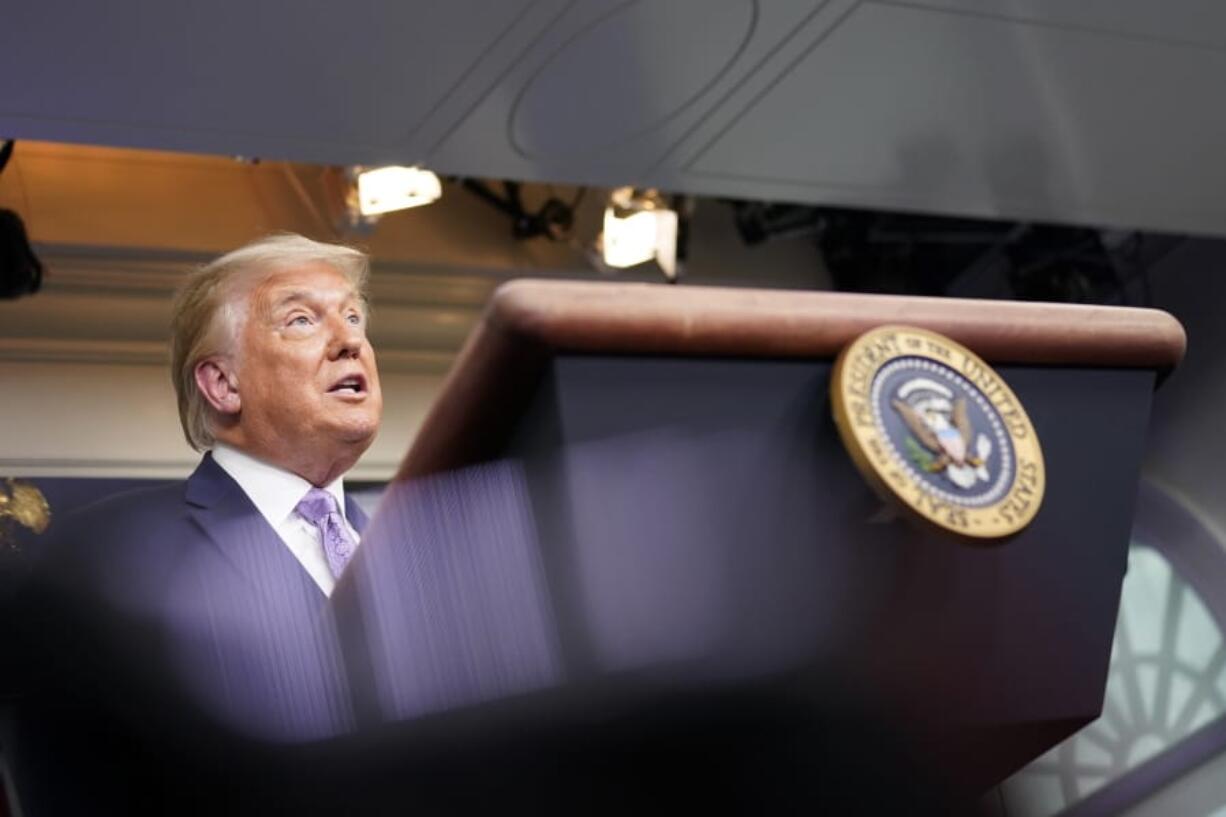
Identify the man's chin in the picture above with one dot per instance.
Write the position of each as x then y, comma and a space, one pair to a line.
358, 434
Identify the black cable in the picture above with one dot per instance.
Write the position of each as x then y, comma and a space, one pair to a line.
553, 221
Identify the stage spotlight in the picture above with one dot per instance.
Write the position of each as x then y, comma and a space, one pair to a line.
384, 189
639, 226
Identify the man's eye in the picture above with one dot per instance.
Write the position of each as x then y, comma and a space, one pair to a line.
300, 320
355, 319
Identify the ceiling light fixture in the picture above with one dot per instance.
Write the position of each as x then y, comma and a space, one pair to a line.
639, 227
384, 189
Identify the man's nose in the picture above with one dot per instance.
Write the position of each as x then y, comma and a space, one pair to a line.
347, 338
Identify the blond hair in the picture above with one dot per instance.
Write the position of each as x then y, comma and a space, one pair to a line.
207, 316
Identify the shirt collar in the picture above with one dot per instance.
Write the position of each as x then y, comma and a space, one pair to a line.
274, 491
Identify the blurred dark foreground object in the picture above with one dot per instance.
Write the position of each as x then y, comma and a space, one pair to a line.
107, 725
21, 273
113, 740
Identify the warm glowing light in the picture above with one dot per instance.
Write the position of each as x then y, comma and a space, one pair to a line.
629, 240
638, 228
383, 189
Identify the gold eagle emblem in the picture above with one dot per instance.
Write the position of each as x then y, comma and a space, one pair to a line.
935, 431
935, 439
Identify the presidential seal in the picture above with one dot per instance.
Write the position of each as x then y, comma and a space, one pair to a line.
933, 428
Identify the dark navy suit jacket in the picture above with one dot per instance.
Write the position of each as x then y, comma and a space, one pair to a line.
178, 617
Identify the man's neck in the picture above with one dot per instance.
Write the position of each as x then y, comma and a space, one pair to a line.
317, 470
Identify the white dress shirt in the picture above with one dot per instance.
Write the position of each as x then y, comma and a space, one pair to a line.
275, 494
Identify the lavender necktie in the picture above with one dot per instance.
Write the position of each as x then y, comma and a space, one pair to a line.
320, 509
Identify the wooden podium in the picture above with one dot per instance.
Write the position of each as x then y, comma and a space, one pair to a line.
693, 518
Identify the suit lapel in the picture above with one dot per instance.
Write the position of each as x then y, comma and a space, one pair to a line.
239, 531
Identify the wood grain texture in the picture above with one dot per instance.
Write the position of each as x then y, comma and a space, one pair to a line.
529, 320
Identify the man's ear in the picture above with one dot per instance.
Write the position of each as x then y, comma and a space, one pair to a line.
219, 385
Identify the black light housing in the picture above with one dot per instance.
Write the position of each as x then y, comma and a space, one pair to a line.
21, 273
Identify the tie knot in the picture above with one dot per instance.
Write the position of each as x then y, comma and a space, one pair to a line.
316, 505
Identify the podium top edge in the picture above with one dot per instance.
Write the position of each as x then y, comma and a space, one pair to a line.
529, 320
636, 318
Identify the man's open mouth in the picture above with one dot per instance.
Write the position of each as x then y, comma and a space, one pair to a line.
352, 384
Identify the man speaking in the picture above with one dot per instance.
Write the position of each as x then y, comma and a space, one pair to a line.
179, 628
274, 374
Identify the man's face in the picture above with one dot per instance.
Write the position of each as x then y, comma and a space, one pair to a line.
306, 374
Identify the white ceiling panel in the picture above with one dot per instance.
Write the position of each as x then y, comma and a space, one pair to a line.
1095, 111
307, 79
933, 110
626, 73
1180, 22
613, 87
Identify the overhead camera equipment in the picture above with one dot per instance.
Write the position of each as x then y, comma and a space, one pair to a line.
553, 220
